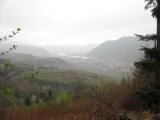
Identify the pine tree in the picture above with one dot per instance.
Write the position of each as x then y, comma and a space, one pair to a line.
148, 69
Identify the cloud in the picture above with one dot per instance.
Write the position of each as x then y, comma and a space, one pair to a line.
75, 21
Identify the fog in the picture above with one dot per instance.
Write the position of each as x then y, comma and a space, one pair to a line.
52, 22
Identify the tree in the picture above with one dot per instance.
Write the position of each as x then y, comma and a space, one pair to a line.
102, 101
155, 5
148, 69
7, 97
5, 66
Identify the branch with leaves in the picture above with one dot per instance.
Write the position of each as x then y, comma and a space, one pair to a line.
154, 4
5, 38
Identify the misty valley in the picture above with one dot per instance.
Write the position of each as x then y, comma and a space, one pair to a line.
79, 60
39, 75
117, 62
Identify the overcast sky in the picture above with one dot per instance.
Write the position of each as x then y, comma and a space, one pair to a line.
74, 21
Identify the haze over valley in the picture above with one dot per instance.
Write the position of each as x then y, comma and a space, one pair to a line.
113, 58
79, 60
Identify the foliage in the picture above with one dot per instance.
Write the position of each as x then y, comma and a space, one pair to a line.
146, 73
155, 7
7, 96
148, 68
63, 97
5, 38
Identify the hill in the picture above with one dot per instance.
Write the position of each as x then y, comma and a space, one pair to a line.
37, 61
28, 49
123, 50
25, 82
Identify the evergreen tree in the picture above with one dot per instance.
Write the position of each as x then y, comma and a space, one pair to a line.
155, 5
148, 69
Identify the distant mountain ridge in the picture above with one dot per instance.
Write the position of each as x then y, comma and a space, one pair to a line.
70, 49
125, 49
23, 58
28, 49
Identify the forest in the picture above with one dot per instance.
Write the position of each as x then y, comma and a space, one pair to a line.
117, 80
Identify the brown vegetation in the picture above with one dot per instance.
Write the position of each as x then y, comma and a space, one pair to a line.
100, 102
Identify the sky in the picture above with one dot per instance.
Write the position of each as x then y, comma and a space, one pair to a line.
47, 22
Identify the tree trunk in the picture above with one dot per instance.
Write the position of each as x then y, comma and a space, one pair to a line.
157, 74
158, 33
158, 26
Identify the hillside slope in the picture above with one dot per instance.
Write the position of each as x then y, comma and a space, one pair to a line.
37, 61
27, 49
125, 49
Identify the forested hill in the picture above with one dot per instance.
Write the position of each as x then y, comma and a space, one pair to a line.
22, 58
125, 49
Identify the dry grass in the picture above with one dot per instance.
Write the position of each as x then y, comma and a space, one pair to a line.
72, 111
